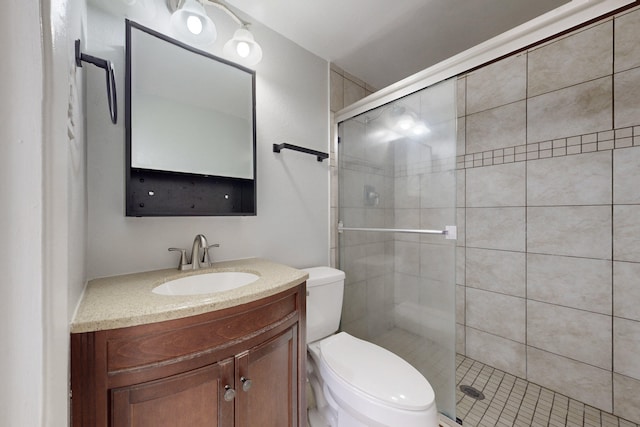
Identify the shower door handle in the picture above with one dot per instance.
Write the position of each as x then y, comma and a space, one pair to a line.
450, 232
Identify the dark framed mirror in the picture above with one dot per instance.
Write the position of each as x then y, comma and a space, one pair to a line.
190, 130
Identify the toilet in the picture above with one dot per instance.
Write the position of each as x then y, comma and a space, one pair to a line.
355, 383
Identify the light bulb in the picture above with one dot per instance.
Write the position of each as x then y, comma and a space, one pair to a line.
406, 123
243, 49
194, 24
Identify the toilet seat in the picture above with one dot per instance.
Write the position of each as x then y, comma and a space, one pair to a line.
376, 372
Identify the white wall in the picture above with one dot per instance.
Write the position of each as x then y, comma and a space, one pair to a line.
43, 216
293, 206
21, 387
64, 196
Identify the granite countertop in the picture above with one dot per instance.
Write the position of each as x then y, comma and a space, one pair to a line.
121, 301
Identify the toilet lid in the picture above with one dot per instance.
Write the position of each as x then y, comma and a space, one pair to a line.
376, 372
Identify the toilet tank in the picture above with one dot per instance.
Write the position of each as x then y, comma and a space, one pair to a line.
325, 288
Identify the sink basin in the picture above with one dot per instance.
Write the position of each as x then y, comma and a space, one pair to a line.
206, 283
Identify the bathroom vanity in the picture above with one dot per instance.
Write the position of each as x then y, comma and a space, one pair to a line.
232, 358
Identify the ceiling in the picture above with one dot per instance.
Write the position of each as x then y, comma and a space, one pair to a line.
384, 41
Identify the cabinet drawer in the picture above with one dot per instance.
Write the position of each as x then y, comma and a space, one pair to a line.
137, 347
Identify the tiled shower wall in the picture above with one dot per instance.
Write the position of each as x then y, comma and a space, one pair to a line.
345, 90
548, 277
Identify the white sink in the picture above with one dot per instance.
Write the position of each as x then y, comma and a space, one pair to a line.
207, 283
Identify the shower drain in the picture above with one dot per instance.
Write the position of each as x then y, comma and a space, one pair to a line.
472, 392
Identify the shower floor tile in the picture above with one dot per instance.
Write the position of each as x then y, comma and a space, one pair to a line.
509, 401
512, 401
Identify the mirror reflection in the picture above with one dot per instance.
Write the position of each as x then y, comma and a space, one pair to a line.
190, 114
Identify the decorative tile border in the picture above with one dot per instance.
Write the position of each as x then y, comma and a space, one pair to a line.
601, 141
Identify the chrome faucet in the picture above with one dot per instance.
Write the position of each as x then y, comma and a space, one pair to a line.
200, 257
197, 261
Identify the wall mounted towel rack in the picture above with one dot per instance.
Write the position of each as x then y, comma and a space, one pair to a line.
107, 66
319, 154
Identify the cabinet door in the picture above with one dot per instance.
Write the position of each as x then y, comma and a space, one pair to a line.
271, 397
194, 398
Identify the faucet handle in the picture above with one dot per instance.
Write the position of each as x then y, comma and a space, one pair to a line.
183, 257
206, 257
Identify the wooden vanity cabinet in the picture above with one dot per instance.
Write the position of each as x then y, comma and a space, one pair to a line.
242, 366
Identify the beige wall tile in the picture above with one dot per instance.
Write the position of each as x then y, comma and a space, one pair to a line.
583, 231
626, 290
626, 175
437, 262
497, 314
437, 219
583, 56
407, 258
460, 265
577, 380
407, 218
460, 339
497, 271
354, 79
626, 398
496, 228
627, 97
497, 84
626, 347
352, 134
576, 110
570, 180
496, 186
627, 48
352, 92
461, 185
460, 304
406, 288
353, 217
438, 189
355, 298
496, 128
461, 96
337, 91
626, 233
500, 353
577, 334
581, 283
407, 191
461, 223
377, 262
461, 146
355, 263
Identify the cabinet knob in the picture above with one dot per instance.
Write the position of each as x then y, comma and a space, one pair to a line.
229, 393
246, 383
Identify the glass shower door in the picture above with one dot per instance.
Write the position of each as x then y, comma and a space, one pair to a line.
397, 231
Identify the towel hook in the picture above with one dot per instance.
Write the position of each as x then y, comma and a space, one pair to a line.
107, 66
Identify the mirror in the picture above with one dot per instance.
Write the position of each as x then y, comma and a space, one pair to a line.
190, 130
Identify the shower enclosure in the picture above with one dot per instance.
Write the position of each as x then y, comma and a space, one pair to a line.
397, 231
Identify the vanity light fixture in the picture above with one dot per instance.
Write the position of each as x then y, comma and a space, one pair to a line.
243, 46
190, 23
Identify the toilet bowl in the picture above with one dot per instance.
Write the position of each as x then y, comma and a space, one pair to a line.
355, 383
